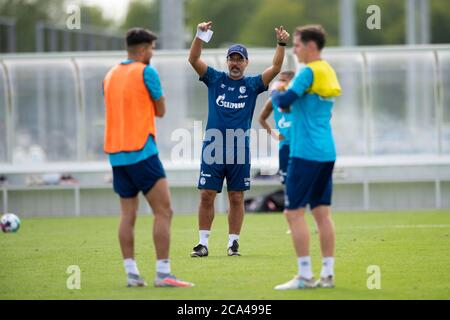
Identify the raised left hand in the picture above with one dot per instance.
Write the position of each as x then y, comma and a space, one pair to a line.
282, 35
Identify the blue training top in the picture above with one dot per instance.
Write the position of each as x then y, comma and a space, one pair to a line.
231, 104
311, 99
283, 123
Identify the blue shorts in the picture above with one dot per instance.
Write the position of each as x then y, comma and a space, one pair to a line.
308, 182
234, 166
283, 160
142, 176
212, 176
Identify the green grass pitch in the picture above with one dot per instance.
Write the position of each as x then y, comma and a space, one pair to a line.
411, 249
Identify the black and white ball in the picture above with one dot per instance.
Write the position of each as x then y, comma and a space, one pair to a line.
9, 222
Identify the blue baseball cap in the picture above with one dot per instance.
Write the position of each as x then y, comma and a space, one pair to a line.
238, 48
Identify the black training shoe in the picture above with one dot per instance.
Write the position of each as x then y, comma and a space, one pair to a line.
234, 249
199, 251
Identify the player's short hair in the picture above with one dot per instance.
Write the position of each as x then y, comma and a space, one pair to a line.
138, 36
312, 32
288, 74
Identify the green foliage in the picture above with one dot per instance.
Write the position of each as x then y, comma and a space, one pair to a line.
290, 13
253, 22
229, 18
93, 16
250, 22
27, 13
440, 21
393, 21
259, 29
144, 14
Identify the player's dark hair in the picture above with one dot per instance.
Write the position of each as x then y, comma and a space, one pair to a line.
312, 32
138, 36
288, 74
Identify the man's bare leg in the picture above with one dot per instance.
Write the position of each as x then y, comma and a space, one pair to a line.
206, 209
300, 238
299, 231
159, 199
205, 220
128, 213
322, 216
235, 220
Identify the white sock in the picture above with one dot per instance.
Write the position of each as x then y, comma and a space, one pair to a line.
204, 236
163, 266
231, 238
327, 267
130, 266
304, 267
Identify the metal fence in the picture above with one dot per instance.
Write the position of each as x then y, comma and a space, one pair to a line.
395, 101
7, 35
51, 38
392, 127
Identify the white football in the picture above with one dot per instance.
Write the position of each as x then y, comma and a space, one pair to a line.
9, 222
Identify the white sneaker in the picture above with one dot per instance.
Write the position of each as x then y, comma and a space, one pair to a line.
327, 282
172, 281
135, 280
297, 283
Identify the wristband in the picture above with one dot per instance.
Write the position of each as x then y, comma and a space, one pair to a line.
205, 36
282, 44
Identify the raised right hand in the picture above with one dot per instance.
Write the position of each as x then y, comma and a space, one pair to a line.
204, 26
